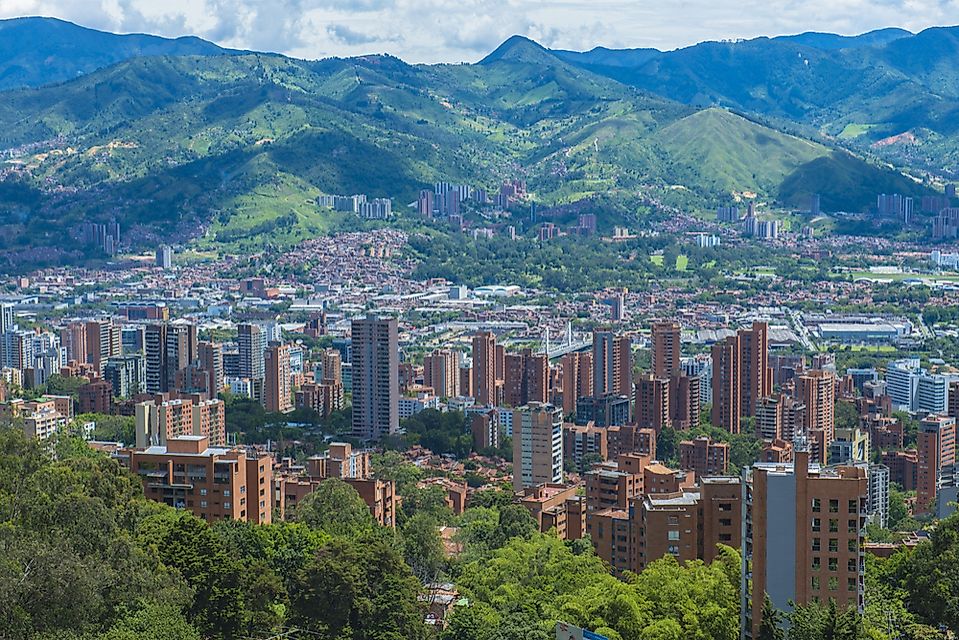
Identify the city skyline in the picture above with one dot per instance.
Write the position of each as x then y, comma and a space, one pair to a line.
314, 29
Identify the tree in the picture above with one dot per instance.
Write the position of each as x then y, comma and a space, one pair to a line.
336, 508
358, 590
153, 622
930, 576
422, 547
771, 626
187, 544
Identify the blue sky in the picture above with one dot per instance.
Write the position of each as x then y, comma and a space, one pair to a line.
465, 30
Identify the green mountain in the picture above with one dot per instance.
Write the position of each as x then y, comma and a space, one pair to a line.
886, 92
39, 51
232, 150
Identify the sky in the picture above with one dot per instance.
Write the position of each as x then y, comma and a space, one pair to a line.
466, 30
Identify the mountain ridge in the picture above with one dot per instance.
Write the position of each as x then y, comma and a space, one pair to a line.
39, 50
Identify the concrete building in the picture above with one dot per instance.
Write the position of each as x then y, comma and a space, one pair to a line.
324, 398
755, 375
159, 420
936, 448
375, 367
612, 364
582, 443
525, 378
604, 411
537, 445
210, 356
126, 375
252, 341
802, 537
666, 349
878, 506
441, 372
214, 483
652, 402
278, 379
95, 397
704, 457
556, 507
340, 461
726, 409
484, 368
577, 379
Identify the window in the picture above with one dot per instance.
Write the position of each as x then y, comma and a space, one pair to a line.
852, 565
816, 505
852, 584
853, 506
816, 525
725, 537
852, 546
202, 492
834, 564
226, 493
673, 520
816, 563
725, 522
814, 583
816, 544
853, 526
833, 525
672, 535
834, 506
673, 549
833, 583
203, 504
833, 545
725, 506
227, 505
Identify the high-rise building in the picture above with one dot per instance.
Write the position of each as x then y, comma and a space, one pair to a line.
755, 376
375, 377
164, 257
879, 494
525, 379
936, 448
652, 402
726, 412
158, 421
278, 379
612, 364
212, 482
252, 343
441, 372
332, 363
102, 340
685, 401
484, 368
126, 375
704, 457
816, 390
577, 379
666, 349
155, 341
211, 360
803, 540
537, 445
181, 350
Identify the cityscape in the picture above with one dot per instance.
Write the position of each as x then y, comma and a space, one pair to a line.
476, 394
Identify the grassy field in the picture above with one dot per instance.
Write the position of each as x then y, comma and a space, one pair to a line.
899, 277
854, 130
682, 261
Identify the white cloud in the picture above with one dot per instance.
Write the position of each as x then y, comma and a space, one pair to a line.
458, 30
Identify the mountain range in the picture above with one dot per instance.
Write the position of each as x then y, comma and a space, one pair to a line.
183, 137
